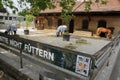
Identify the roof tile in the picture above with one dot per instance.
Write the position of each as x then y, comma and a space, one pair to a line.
112, 5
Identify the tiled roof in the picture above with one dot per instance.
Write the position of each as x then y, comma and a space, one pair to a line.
112, 5
56, 10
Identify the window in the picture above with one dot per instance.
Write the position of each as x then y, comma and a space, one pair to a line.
101, 23
24, 19
10, 18
6, 18
50, 22
14, 18
1, 17
71, 26
85, 24
59, 22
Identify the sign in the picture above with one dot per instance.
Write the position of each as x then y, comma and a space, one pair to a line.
28, 48
57, 56
82, 65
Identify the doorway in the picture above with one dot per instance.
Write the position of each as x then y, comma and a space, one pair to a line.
71, 26
85, 24
102, 23
59, 22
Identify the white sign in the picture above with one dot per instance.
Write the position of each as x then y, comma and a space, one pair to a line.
29, 48
82, 65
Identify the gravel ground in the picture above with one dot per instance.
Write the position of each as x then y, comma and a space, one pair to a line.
90, 46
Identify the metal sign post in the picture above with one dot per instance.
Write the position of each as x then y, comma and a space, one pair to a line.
21, 60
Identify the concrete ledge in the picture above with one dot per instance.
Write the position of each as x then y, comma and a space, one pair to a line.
12, 72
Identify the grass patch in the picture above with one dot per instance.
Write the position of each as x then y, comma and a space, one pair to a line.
82, 41
70, 46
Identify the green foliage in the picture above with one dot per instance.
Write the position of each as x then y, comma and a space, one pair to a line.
8, 3
81, 41
88, 6
35, 11
66, 14
70, 46
38, 5
24, 12
89, 2
67, 7
1, 5
104, 1
1, 20
20, 19
29, 19
66, 32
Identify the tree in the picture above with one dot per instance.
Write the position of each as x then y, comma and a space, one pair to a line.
67, 7
1, 5
38, 5
29, 19
8, 3
89, 2
20, 19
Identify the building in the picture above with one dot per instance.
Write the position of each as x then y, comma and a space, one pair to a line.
100, 15
7, 19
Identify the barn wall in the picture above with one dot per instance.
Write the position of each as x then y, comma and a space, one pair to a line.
111, 21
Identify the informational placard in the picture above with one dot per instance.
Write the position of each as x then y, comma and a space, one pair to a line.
82, 65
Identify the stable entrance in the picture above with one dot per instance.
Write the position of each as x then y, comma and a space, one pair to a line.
71, 26
102, 23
